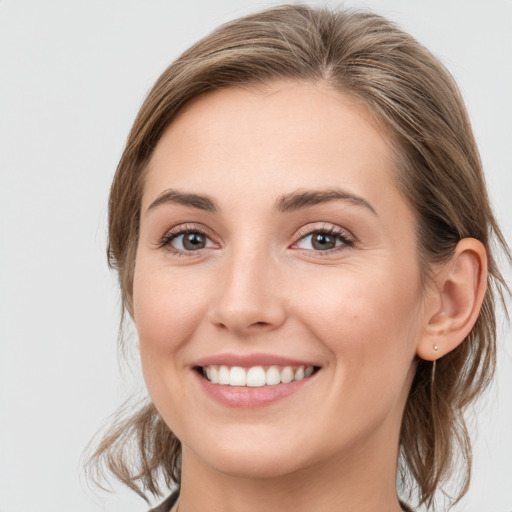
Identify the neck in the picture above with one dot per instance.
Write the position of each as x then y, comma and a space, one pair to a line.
361, 481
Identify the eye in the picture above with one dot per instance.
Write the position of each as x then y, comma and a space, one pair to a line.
324, 240
184, 240
190, 241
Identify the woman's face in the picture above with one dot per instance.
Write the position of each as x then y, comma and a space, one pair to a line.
274, 241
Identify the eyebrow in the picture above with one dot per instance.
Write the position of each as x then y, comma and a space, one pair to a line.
307, 198
172, 196
294, 201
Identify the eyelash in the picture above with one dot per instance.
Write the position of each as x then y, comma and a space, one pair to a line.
338, 233
347, 240
166, 241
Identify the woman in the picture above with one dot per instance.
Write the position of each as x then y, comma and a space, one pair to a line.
303, 240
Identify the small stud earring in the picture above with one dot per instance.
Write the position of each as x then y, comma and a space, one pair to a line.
436, 348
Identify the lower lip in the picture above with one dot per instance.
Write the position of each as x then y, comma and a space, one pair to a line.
248, 397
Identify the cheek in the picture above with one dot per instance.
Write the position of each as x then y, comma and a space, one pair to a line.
367, 319
166, 313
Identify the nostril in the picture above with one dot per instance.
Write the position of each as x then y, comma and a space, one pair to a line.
245, 317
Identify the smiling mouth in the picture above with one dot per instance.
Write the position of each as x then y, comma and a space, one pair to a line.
255, 376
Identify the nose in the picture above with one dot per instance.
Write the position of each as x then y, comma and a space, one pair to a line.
250, 295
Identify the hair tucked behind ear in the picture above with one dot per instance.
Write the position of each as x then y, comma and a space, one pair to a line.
439, 172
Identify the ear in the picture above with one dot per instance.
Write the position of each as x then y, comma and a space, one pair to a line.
453, 305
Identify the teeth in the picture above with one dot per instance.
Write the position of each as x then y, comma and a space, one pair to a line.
287, 374
214, 374
256, 376
273, 376
224, 375
237, 376
299, 373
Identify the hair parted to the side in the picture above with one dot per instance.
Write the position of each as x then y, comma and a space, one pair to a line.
439, 172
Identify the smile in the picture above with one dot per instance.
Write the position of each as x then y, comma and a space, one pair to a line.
255, 376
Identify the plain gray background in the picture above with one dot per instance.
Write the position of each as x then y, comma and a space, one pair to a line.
72, 76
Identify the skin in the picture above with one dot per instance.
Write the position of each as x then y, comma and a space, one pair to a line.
358, 311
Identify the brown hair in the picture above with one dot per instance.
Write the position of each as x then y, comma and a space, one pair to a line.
439, 172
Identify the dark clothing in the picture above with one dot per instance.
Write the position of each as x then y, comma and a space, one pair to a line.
171, 500
167, 504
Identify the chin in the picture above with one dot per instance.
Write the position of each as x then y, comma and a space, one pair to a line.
254, 459
269, 466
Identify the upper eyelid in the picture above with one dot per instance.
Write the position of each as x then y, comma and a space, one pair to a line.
325, 228
188, 227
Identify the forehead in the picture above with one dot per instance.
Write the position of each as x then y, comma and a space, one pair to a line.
287, 135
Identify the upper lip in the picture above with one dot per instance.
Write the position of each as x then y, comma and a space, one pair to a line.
249, 360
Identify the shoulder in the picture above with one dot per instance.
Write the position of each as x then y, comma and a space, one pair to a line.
167, 504
406, 507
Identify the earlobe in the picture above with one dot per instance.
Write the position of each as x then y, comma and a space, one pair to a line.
454, 304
